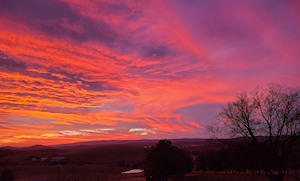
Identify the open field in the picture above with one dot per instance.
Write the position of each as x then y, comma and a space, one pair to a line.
97, 172
219, 177
230, 177
68, 172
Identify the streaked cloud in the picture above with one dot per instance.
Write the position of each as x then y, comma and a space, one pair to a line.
84, 70
137, 129
142, 131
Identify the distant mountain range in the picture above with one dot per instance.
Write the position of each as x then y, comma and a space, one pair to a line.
178, 142
95, 151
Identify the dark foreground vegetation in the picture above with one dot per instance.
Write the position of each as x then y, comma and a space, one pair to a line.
104, 162
240, 158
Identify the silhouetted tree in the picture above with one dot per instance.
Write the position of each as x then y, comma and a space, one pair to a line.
215, 161
165, 160
269, 120
202, 163
7, 175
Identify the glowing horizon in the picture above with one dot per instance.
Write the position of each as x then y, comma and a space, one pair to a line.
77, 70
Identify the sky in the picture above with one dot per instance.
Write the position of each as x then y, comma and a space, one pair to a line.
81, 70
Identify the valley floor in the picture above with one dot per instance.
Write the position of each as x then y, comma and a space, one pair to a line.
99, 172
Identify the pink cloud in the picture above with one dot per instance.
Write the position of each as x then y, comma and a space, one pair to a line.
158, 66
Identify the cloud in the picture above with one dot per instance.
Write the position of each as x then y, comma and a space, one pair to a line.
137, 129
57, 19
7, 64
72, 133
83, 70
100, 130
142, 131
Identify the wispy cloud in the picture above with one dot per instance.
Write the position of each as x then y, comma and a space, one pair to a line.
83, 70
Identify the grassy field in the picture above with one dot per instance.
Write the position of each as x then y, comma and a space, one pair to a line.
97, 172
218, 177
231, 177
68, 172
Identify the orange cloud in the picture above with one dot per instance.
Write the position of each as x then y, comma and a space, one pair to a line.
84, 67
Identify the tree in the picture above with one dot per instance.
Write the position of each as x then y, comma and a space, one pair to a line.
269, 120
165, 160
202, 163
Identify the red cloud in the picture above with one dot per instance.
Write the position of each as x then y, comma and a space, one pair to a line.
132, 65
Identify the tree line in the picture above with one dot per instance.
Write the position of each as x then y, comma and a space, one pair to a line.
239, 157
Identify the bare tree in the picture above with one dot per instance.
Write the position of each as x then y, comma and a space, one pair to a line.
269, 119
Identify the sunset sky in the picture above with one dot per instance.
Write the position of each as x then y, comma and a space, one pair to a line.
80, 70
